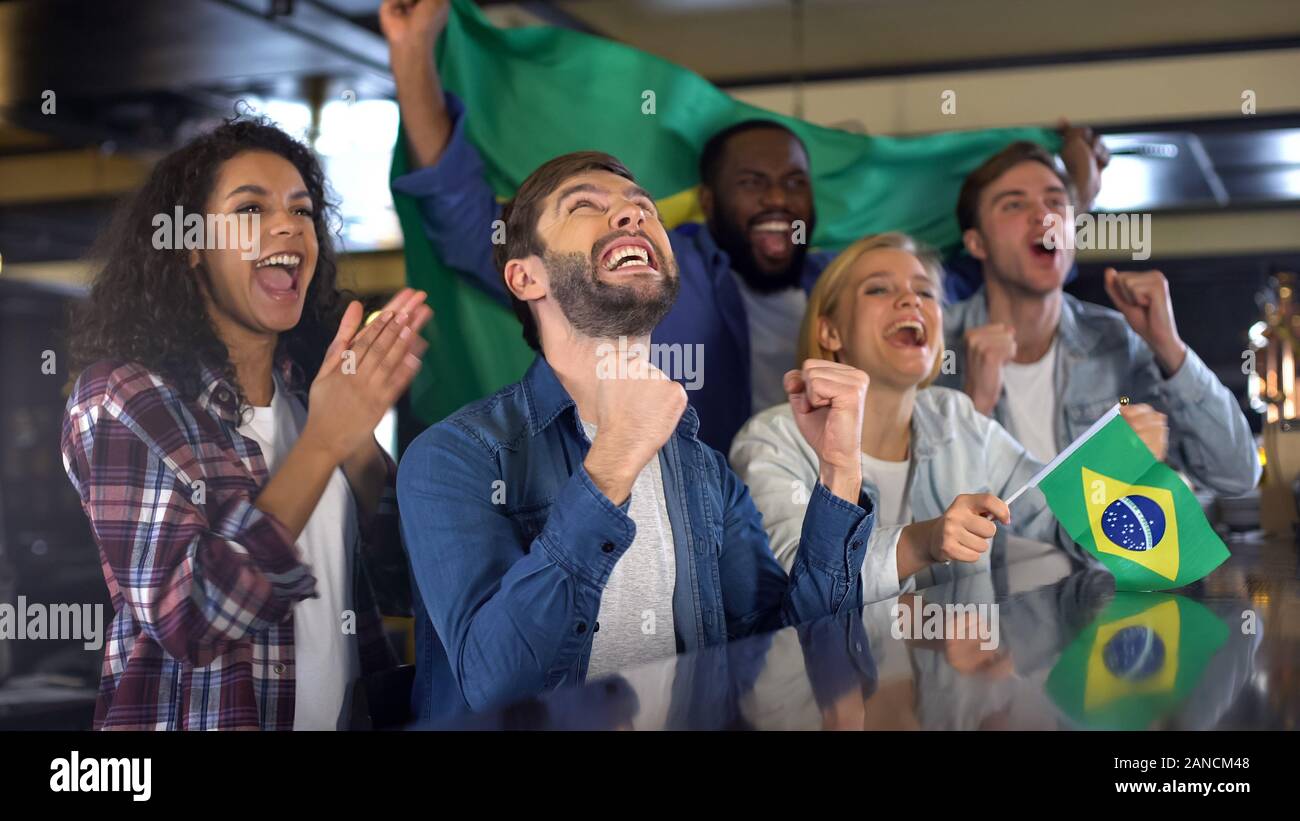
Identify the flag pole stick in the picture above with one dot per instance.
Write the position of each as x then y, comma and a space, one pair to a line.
1065, 454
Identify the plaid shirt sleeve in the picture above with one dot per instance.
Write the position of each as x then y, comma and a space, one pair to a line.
196, 571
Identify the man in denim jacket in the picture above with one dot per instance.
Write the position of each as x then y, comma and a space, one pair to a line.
573, 524
1046, 365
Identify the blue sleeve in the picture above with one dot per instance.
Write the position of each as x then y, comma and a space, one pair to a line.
962, 276
837, 657
458, 206
513, 615
825, 578
1209, 436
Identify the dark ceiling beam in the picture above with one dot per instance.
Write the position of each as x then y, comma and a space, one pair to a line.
322, 26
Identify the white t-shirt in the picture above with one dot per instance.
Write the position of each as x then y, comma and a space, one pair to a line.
326, 660
636, 607
774, 321
890, 479
653, 685
1031, 402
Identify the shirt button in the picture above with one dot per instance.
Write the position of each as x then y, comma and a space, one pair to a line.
582, 627
279, 669
596, 629
855, 545
607, 547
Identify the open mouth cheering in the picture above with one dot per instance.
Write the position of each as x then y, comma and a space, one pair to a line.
629, 254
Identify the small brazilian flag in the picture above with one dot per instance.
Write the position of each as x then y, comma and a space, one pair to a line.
1130, 510
1137, 662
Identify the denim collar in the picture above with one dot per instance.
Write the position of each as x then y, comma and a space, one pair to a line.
547, 399
1076, 337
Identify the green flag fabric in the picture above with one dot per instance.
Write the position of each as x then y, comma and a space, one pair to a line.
534, 93
1130, 510
1137, 662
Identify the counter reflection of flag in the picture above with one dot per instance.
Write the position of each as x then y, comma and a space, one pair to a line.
534, 93
1137, 662
1130, 510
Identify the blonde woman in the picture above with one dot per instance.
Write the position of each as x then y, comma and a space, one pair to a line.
936, 470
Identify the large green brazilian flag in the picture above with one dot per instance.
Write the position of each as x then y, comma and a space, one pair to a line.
534, 93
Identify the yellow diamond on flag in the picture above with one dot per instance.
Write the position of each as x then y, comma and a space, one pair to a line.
1137, 655
1137, 522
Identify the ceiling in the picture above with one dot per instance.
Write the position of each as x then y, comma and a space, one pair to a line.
737, 41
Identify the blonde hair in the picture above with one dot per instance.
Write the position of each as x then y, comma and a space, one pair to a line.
833, 282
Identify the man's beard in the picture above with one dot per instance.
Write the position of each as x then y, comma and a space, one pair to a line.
733, 239
599, 310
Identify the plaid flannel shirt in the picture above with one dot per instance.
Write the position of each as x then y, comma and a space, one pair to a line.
203, 583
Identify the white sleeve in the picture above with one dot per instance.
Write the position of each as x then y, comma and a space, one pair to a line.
780, 478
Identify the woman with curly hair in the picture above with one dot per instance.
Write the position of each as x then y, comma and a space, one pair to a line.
244, 513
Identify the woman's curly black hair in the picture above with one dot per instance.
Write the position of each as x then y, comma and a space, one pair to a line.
147, 306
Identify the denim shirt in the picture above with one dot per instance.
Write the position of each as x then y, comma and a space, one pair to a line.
1102, 358
511, 544
458, 209
954, 449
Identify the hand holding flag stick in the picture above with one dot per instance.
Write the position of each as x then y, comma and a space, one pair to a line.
964, 530
1150, 425
961, 534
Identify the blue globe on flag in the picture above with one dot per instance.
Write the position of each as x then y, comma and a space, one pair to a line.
1134, 522
1134, 653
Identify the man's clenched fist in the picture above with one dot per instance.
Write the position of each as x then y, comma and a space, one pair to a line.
1143, 298
637, 409
988, 348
